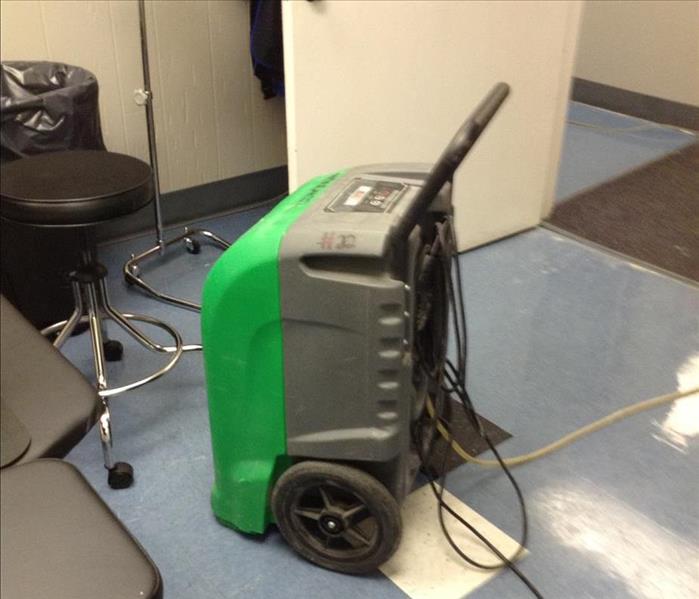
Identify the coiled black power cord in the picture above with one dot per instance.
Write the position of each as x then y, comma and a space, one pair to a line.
448, 380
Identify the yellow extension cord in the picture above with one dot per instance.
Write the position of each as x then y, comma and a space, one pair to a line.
631, 410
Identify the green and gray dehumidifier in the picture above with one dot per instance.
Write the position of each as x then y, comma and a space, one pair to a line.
316, 325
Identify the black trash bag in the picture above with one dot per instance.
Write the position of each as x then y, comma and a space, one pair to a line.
47, 107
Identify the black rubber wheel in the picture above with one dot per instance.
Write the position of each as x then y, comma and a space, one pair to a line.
337, 517
192, 245
120, 476
113, 350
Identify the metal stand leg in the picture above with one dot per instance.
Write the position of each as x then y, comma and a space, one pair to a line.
144, 97
123, 321
120, 473
74, 319
101, 374
105, 424
96, 336
132, 271
174, 351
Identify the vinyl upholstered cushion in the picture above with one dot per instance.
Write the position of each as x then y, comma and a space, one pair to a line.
60, 540
74, 188
51, 398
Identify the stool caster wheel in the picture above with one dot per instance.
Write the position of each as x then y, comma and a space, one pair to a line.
120, 476
113, 350
192, 245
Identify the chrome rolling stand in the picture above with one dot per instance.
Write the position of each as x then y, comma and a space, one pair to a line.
189, 237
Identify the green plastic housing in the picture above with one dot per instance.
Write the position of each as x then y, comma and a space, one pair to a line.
244, 365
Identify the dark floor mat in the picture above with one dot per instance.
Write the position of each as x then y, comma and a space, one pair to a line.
651, 214
467, 437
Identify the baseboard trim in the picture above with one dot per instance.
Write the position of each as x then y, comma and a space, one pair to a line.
651, 108
203, 201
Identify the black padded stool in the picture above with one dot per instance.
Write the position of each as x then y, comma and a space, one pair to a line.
80, 189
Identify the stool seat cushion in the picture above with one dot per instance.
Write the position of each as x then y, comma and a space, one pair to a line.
60, 540
74, 188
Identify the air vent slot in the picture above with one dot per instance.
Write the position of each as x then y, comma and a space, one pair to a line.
351, 265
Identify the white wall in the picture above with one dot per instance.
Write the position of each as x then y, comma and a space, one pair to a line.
375, 82
211, 119
649, 47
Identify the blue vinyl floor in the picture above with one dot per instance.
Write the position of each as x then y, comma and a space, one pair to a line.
560, 334
600, 145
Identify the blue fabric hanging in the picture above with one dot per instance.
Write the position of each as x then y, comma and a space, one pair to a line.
266, 46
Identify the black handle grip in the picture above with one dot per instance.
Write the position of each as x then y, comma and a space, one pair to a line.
454, 154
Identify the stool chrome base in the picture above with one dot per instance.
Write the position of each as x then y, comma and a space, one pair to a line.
132, 271
88, 282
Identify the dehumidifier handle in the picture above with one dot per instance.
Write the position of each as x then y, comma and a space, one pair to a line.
455, 152
467, 135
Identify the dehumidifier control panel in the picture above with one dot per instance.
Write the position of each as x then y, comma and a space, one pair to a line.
367, 195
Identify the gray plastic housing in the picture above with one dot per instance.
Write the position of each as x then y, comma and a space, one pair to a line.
347, 301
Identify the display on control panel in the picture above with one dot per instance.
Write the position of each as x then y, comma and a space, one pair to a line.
367, 195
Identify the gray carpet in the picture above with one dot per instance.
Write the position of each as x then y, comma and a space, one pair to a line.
651, 214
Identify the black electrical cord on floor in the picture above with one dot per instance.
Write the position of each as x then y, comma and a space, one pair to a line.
506, 562
444, 506
444, 249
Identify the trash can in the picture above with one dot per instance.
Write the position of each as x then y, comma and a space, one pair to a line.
44, 107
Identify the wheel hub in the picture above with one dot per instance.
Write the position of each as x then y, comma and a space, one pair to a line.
331, 525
